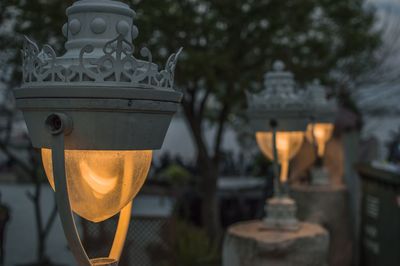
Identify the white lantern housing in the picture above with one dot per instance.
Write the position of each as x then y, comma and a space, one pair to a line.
97, 112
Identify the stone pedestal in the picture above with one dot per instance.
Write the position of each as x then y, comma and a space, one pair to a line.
329, 207
320, 176
251, 244
281, 214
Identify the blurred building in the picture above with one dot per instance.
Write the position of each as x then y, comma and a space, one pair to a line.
381, 114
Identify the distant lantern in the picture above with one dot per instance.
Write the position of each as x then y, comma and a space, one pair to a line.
96, 113
279, 116
321, 127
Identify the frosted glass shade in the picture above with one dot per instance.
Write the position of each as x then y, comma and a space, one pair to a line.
101, 183
287, 144
322, 132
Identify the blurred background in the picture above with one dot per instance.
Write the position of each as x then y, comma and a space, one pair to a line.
210, 173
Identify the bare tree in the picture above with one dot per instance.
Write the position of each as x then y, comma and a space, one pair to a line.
31, 167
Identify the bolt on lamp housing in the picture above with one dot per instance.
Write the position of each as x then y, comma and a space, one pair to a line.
279, 116
96, 113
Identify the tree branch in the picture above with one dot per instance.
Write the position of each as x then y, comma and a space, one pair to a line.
51, 219
221, 127
21, 163
195, 124
203, 103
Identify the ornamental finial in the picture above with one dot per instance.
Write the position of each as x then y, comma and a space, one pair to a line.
278, 65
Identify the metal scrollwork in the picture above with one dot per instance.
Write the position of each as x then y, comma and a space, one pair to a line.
116, 63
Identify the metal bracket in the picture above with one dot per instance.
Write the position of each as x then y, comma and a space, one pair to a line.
281, 209
60, 125
277, 182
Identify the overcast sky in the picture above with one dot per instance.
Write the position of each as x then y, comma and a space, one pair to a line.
391, 4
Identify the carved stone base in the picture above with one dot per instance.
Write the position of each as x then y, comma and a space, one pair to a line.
249, 244
315, 204
320, 176
281, 213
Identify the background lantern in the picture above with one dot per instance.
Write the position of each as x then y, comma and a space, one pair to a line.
278, 116
96, 112
320, 129
287, 145
319, 134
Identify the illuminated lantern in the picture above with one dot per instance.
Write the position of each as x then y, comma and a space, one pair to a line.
103, 181
319, 134
278, 115
320, 129
287, 145
96, 113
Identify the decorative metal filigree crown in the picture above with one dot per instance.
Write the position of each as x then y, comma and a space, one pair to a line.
279, 93
116, 64
322, 108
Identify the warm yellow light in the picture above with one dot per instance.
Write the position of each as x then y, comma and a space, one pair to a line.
322, 133
101, 183
287, 144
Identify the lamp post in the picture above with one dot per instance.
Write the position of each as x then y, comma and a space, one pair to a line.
96, 113
278, 116
320, 129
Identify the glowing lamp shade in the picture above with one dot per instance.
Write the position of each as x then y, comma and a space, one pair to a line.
287, 144
321, 132
101, 183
